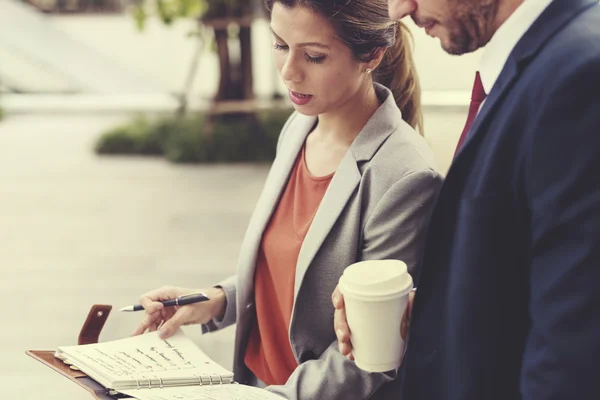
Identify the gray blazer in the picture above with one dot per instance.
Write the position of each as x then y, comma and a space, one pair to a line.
376, 207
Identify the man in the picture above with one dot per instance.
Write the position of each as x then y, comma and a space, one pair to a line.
507, 305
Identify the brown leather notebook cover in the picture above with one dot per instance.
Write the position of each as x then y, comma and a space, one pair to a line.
90, 333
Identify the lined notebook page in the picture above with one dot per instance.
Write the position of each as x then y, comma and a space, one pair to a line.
146, 360
218, 392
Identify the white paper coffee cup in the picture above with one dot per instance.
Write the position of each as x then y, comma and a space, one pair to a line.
376, 295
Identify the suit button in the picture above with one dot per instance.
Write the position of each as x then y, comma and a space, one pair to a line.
249, 306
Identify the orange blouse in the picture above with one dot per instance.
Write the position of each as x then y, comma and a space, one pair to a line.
268, 353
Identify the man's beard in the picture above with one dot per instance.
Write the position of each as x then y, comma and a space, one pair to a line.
473, 27
461, 42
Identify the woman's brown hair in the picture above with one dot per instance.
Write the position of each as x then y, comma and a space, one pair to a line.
364, 26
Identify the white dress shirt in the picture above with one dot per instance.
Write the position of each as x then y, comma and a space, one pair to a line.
505, 39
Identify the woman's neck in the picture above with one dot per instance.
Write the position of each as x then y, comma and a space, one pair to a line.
344, 124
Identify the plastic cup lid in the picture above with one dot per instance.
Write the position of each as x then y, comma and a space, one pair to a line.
376, 278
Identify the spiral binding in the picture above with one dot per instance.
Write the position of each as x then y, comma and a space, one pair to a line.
199, 379
139, 386
212, 379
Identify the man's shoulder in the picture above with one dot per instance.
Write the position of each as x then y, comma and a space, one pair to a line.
576, 44
571, 53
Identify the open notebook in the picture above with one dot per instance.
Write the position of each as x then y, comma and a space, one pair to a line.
147, 367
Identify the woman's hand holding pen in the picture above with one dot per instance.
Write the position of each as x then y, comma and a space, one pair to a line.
168, 319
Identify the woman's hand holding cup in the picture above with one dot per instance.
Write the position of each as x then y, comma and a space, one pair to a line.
340, 324
365, 317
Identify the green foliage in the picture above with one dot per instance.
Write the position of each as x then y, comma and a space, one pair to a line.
140, 15
168, 10
137, 137
185, 142
199, 139
1, 113
272, 121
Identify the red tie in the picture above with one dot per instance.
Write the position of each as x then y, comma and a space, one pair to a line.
477, 97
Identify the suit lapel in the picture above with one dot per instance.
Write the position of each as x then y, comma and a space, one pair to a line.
274, 186
347, 177
554, 17
281, 169
340, 190
507, 77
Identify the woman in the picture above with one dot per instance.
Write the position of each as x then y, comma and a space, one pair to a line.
351, 181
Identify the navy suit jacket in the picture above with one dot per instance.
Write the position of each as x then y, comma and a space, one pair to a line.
508, 301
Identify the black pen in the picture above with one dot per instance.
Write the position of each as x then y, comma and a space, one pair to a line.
179, 301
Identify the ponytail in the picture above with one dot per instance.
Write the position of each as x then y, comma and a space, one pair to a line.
398, 73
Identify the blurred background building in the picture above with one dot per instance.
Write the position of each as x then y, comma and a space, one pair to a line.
77, 54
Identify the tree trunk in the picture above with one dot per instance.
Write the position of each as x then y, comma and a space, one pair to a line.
225, 83
236, 81
246, 61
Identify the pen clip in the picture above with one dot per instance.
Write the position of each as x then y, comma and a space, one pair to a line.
192, 294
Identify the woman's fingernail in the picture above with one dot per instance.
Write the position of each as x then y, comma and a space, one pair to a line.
162, 333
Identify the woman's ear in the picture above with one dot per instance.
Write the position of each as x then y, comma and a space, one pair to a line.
374, 63
377, 59
370, 66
